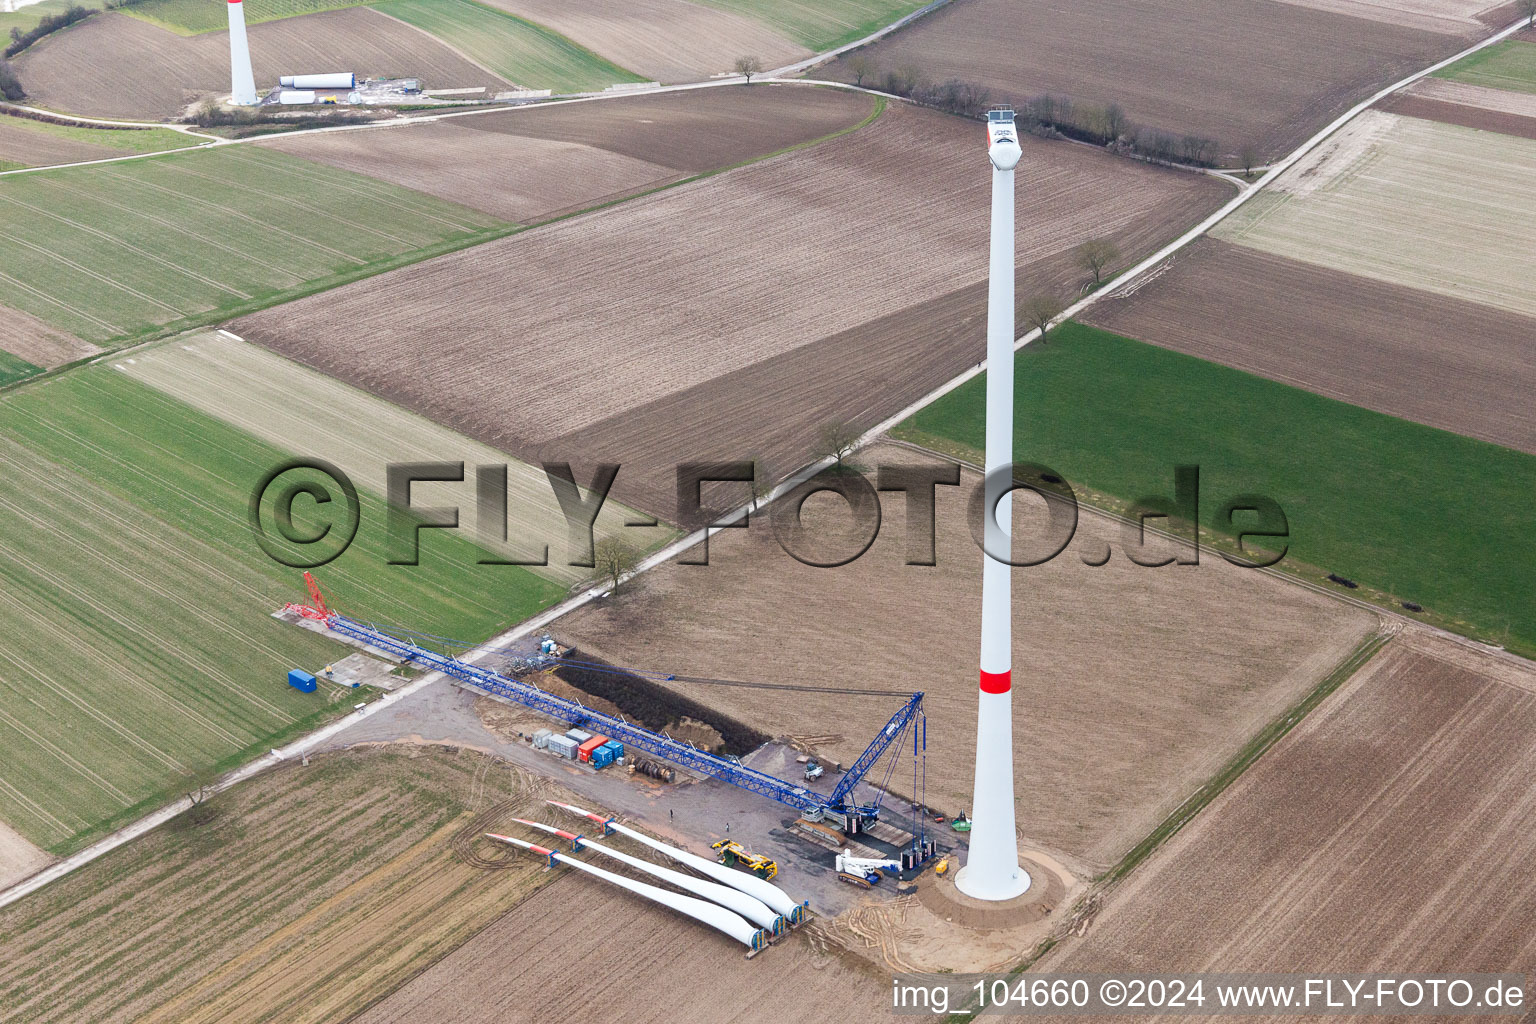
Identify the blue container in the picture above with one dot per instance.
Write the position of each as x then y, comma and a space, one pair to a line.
616, 747
300, 680
602, 757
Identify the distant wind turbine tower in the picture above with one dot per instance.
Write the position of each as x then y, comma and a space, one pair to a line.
242, 83
992, 870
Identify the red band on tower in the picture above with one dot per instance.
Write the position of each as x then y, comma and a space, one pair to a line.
996, 682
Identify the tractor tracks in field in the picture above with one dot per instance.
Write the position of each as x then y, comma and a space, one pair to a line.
541, 621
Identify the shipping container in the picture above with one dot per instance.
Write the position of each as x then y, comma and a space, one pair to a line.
541, 739
563, 745
579, 735
301, 680
616, 747
584, 752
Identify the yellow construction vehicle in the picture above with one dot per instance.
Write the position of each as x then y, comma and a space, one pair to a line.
941, 867
733, 855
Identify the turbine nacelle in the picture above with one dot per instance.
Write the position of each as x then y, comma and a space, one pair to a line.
1002, 140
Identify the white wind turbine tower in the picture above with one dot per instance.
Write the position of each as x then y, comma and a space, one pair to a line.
242, 83
992, 870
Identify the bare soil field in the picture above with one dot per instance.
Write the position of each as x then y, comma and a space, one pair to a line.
1132, 684
1241, 72
641, 964
514, 178
664, 40
708, 280
1467, 17
1318, 859
577, 155
695, 131
18, 858
298, 410
20, 144
308, 893
112, 65
1433, 206
36, 342
1397, 350
1471, 106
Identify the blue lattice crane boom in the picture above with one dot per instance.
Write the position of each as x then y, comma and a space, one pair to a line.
900, 722
726, 769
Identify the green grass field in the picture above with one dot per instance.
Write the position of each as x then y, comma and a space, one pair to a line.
137, 604
142, 140
1507, 65
119, 251
518, 50
14, 368
27, 17
821, 25
192, 17
1418, 513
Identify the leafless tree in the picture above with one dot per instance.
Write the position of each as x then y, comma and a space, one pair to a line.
1040, 311
616, 560
197, 785
749, 66
1095, 256
10, 85
1249, 157
861, 66
762, 482
1528, 12
1196, 149
1115, 122
838, 439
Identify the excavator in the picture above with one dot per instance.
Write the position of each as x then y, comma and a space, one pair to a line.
733, 854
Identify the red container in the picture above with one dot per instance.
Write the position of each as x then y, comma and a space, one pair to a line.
584, 752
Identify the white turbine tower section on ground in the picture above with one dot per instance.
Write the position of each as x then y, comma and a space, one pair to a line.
749, 907
242, 84
716, 917
992, 869
766, 891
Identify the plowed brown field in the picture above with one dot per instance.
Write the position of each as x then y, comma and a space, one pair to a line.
516, 179
583, 948
666, 40
1131, 684
36, 342
1392, 832
116, 66
526, 165
1469, 17
1238, 71
1471, 106
695, 130
1387, 347
602, 315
